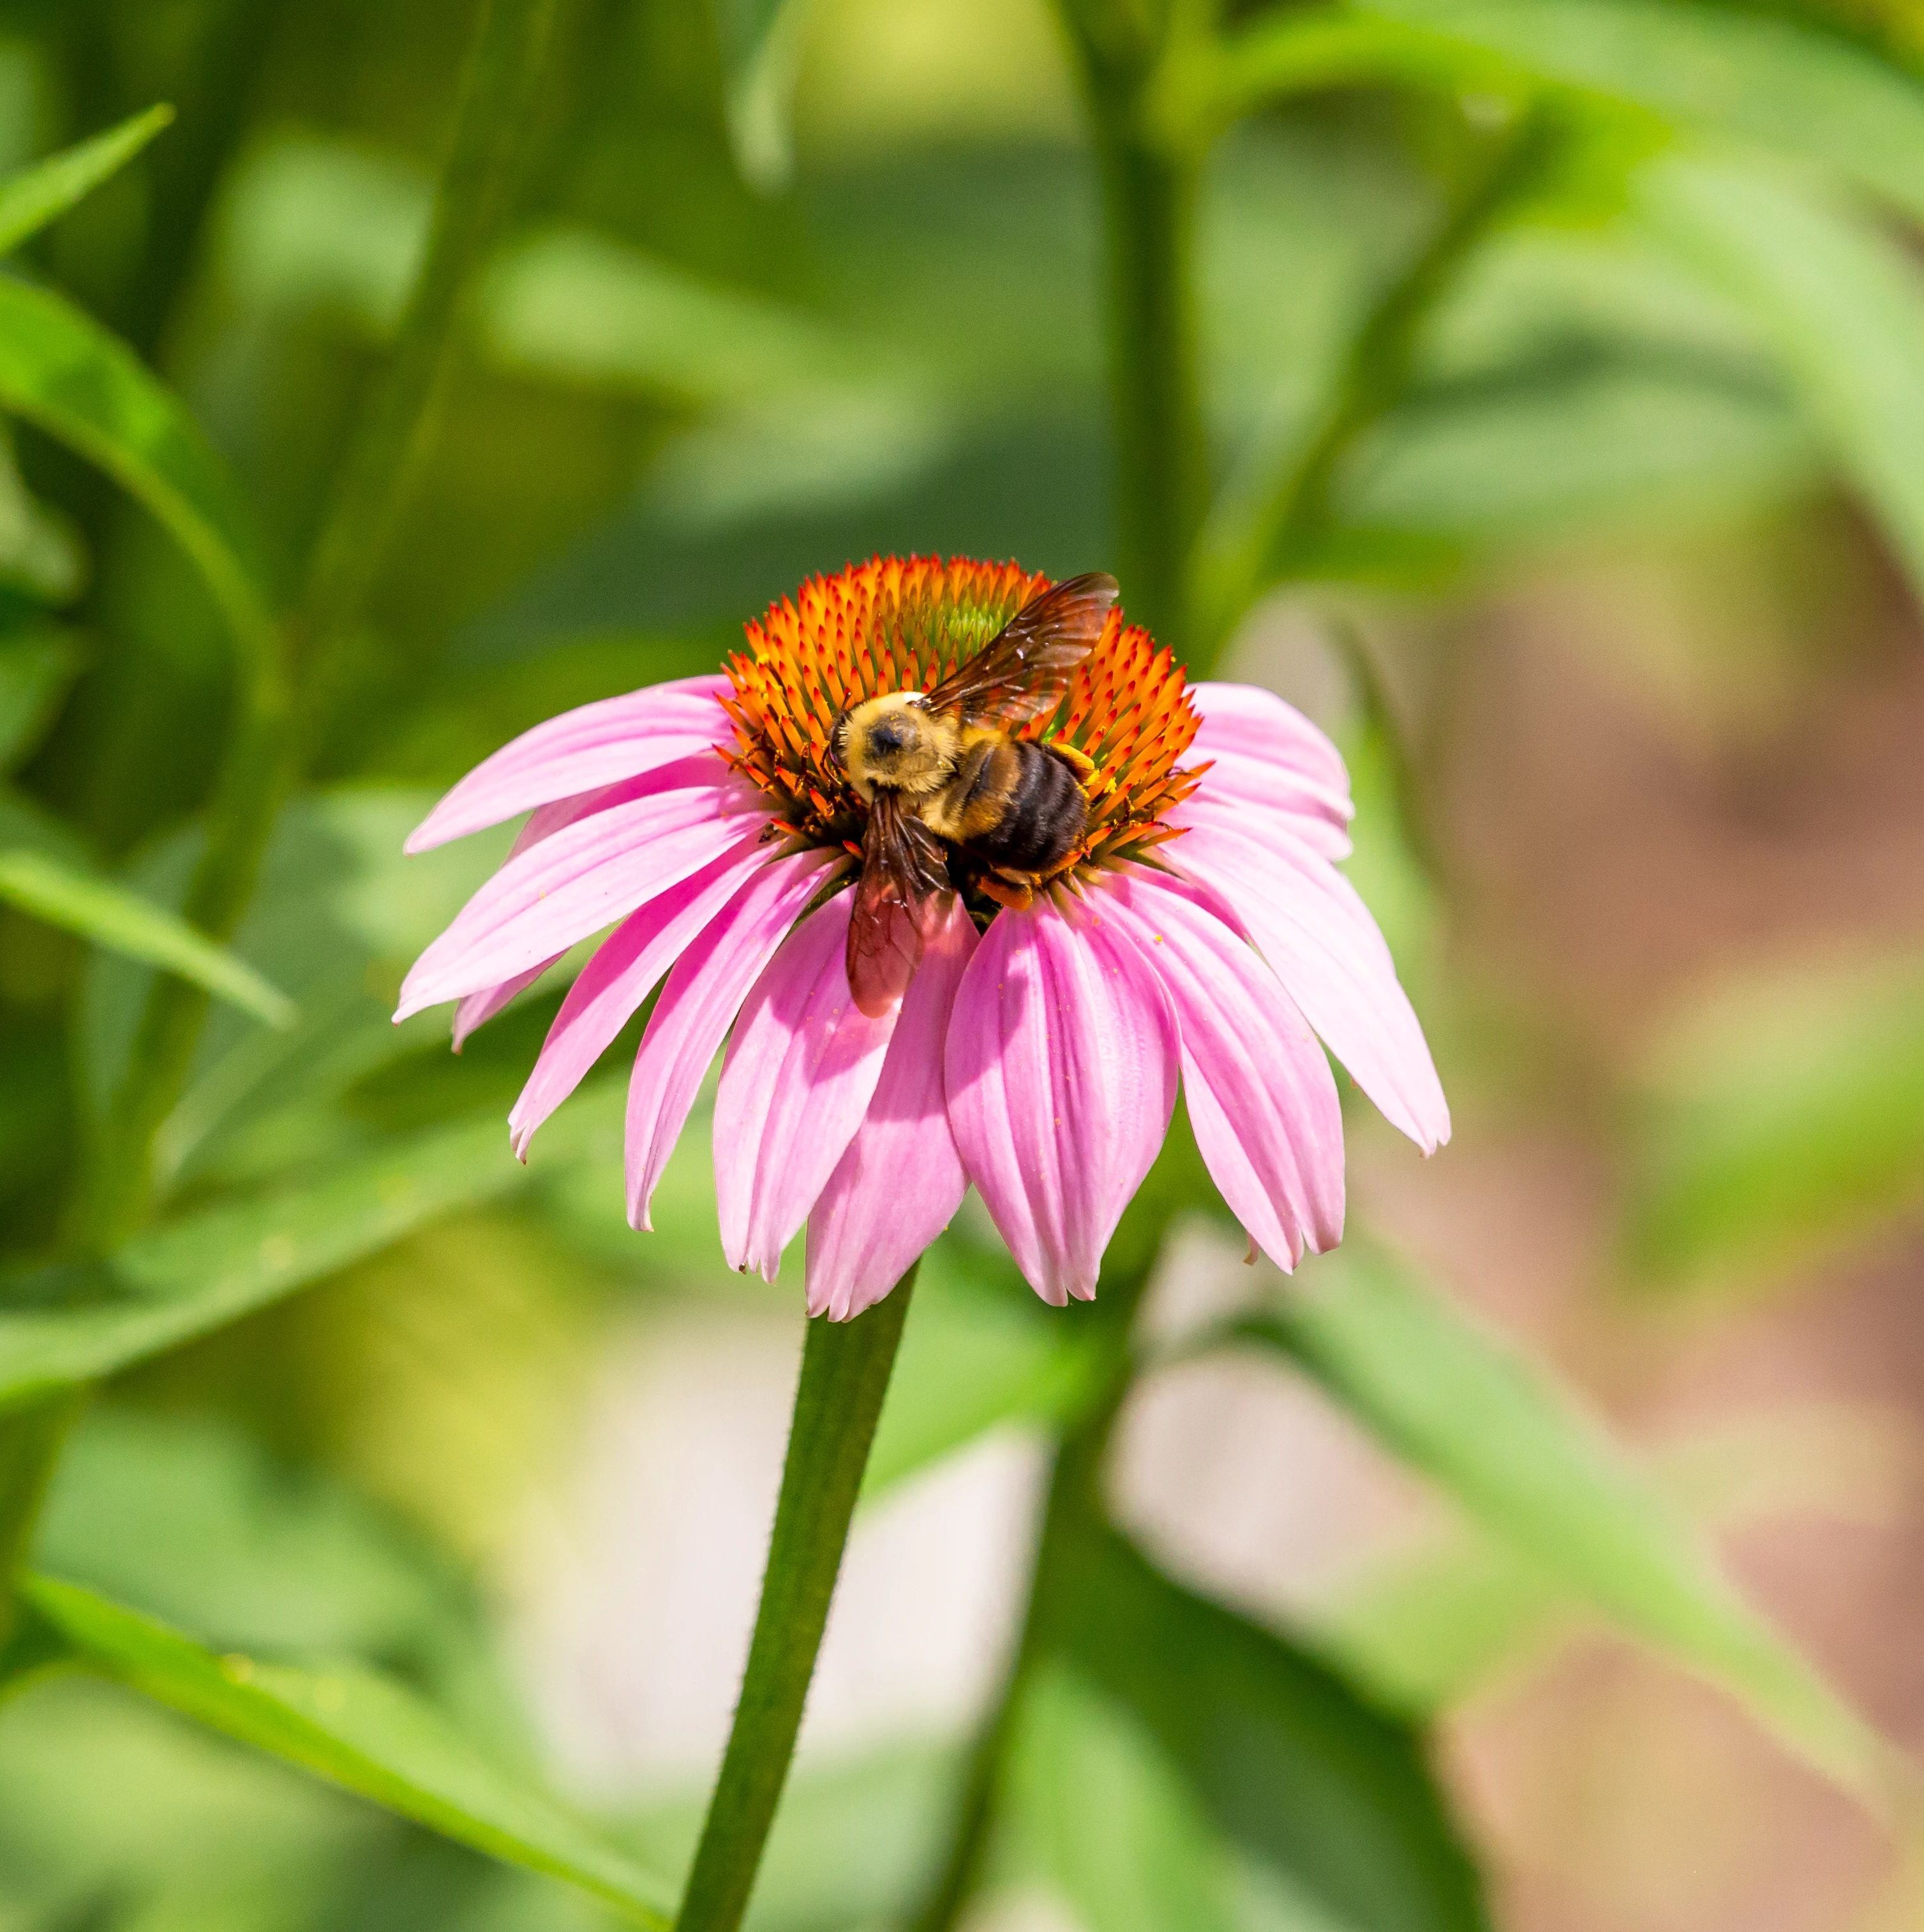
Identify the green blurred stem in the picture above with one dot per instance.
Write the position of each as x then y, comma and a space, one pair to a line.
1256, 537
255, 772
285, 679
1149, 177
845, 1370
384, 458
30, 1443
1072, 1503
1148, 203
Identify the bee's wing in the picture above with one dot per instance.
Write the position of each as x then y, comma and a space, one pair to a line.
904, 870
1021, 673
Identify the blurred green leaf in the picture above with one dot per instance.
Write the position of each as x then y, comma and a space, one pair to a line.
1292, 50
198, 1273
1428, 1626
1330, 1800
760, 51
354, 1729
316, 224
110, 916
1109, 1820
186, 1519
31, 198
27, 826
1840, 301
1784, 83
1427, 1629
1785, 1114
1457, 1405
40, 552
62, 371
1542, 456
339, 912
575, 307
36, 667
102, 1795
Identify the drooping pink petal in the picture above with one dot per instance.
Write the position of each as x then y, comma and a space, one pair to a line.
1061, 1071
625, 969
1245, 720
596, 745
801, 1069
1261, 1099
582, 877
1309, 924
476, 1009
704, 991
901, 1181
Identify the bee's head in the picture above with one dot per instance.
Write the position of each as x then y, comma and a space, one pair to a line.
891, 741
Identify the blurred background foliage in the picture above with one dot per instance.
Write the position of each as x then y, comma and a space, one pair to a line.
1561, 377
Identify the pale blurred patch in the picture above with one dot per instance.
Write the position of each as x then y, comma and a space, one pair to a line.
635, 1581
880, 74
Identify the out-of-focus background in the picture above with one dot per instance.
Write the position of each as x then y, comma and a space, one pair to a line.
1613, 601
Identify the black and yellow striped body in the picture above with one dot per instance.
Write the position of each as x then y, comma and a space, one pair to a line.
1015, 805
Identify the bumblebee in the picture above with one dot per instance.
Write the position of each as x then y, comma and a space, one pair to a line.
942, 770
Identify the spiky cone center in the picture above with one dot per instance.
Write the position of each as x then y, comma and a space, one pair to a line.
904, 624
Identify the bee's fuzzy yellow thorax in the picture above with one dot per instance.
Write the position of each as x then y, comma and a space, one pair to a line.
891, 740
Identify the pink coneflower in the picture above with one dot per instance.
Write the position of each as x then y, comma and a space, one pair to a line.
1199, 932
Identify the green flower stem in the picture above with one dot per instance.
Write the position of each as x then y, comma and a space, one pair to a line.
290, 675
845, 1369
1149, 200
1255, 537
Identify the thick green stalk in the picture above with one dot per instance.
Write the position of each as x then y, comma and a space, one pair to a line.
262, 758
1261, 530
1148, 204
845, 1369
1154, 403
1149, 180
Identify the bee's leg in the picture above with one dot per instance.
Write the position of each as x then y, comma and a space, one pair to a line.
1016, 897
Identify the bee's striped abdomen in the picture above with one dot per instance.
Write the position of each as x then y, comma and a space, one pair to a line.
1014, 805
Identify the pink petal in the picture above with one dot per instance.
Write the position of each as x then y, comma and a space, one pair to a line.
1245, 719
1311, 927
476, 1009
1262, 1100
704, 992
901, 1181
596, 745
624, 971
801, 1069
1211, 803
582, 877
1061, 1071
1278, 787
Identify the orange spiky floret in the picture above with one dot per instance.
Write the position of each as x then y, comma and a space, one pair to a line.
903, 624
